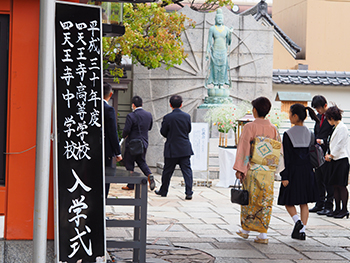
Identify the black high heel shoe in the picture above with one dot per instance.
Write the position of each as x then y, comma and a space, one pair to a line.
342, 215
334, 213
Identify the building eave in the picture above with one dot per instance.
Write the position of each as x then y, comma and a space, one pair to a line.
259, 12
311, 77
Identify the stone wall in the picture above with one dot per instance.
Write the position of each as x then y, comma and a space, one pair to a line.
21, 251
250, 62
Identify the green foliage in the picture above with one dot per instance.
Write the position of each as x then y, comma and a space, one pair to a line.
152, 35
210, 5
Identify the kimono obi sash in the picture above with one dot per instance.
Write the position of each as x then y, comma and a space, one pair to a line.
265, 154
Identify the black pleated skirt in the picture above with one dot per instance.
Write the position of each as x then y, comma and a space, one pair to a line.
302, 188
339, 172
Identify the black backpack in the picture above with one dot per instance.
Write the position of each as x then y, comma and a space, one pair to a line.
316, 153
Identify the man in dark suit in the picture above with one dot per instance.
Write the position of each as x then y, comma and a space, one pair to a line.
137, 125
112, 147
177, 149
322, 131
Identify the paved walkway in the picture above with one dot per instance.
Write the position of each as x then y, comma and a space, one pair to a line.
203, 230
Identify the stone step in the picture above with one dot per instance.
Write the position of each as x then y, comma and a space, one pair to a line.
213, 163
213, 171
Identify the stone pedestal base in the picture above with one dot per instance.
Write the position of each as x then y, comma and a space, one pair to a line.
210, 102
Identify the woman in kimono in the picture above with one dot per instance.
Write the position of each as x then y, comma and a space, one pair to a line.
298, 186
339, 161
257, 179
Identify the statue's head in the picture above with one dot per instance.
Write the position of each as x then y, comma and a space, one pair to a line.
219, 17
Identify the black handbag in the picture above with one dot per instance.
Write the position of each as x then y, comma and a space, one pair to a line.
238, 195
136, 145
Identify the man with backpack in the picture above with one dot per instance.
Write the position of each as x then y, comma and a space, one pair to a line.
322, 132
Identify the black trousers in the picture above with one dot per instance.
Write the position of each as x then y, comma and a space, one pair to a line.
326, 191
108, 163
169, 167
129, 161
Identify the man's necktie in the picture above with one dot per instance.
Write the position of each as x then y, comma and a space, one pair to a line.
322, 119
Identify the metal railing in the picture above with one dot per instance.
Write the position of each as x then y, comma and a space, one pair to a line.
139, 223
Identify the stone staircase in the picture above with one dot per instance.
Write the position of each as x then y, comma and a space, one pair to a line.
213, 168
214, 165
213, 162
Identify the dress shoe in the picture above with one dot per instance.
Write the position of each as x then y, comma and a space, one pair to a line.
188, 197
261, 240
152, 183
335, 212
157, 193
127, 188
241, 234
302, 236
324, 212
297, 227
315, 209
342, 214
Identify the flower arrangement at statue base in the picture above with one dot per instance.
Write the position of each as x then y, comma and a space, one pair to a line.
225, 118
276, 116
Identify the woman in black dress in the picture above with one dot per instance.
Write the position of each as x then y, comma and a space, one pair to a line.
298, 185
339, 161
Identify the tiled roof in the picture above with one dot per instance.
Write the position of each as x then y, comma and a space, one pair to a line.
311, 77
259, 12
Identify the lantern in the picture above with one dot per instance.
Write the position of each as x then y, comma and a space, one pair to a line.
241, 122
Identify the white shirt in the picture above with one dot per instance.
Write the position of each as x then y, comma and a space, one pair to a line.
338, 143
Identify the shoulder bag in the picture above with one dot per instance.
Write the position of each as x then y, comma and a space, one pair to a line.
136, 145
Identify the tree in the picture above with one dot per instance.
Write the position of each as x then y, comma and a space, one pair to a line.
208, 5
153, 35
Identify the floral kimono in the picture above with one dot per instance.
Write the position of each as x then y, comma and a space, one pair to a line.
259, 180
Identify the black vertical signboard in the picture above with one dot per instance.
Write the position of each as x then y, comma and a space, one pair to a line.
79, 167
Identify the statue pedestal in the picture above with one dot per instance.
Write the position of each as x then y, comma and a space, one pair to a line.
210, 102
216, 97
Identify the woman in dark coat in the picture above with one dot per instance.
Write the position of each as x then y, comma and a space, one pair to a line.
298, 185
